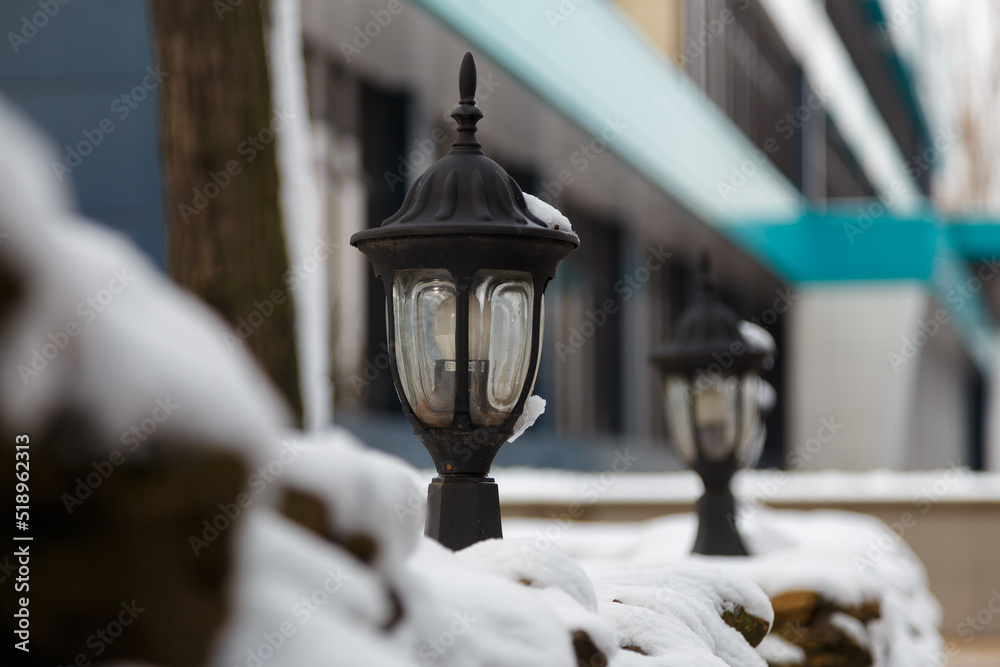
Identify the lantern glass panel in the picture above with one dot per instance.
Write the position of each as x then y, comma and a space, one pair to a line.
500, 324
424, 303
706, 419
716, 415
678, 410
752, 430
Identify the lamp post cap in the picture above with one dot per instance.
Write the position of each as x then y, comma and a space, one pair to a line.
465, 192
707, 331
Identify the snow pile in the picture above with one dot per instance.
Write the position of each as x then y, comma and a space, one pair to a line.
520, 561
513, 602
676, 612
297, 597
366, 492
777, 651
465, 616
849, 559
550, 215
100, 331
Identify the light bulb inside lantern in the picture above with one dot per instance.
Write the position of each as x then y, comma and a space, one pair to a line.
444, 328
499, 343
425, 315
716, 410
711, 407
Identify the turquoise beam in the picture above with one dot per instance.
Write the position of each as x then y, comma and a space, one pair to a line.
834, 246
975, 240
830, 247
589, 62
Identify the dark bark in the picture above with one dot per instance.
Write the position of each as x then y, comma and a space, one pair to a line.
225, 240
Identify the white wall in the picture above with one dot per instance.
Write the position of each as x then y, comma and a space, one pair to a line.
872, 359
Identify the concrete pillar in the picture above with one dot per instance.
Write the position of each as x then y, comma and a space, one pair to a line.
873, 384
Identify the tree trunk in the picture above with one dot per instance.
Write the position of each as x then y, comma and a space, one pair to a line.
225, 240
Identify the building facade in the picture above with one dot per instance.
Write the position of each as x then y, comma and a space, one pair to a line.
786, 137
728, 125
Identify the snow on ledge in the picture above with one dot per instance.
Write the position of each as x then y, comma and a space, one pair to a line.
954, 485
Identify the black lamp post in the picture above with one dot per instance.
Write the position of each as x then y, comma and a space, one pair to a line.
714, 396
464, 263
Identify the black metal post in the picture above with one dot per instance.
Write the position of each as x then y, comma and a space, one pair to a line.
463, 510
717, 534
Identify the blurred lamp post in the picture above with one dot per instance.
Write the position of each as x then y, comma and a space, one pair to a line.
714, 399
464, 264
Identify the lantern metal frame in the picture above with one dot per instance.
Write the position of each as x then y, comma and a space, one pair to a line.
464, 215
706, 331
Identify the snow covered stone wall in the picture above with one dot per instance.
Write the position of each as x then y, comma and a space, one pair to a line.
179, 522
844, 588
